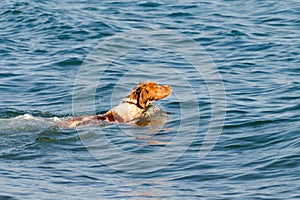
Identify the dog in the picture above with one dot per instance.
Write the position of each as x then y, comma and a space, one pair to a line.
130, 108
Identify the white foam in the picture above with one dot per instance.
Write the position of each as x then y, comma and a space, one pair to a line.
25, 117
56, 119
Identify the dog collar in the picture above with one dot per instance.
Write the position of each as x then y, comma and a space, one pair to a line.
130, 102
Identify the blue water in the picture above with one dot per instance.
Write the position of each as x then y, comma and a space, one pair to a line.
63, 58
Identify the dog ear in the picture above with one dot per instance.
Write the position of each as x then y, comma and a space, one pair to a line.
143, 97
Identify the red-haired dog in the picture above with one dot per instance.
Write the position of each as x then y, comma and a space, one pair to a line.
132, 107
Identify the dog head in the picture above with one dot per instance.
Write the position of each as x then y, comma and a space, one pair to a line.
147, 92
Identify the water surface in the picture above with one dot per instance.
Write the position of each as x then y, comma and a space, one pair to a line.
255, 46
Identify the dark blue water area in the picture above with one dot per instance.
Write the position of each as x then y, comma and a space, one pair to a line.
229, 130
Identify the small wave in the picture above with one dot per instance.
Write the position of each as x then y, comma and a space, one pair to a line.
253, 123
26, 122
29, 117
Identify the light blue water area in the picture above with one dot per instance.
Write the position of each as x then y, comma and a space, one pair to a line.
63, 58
